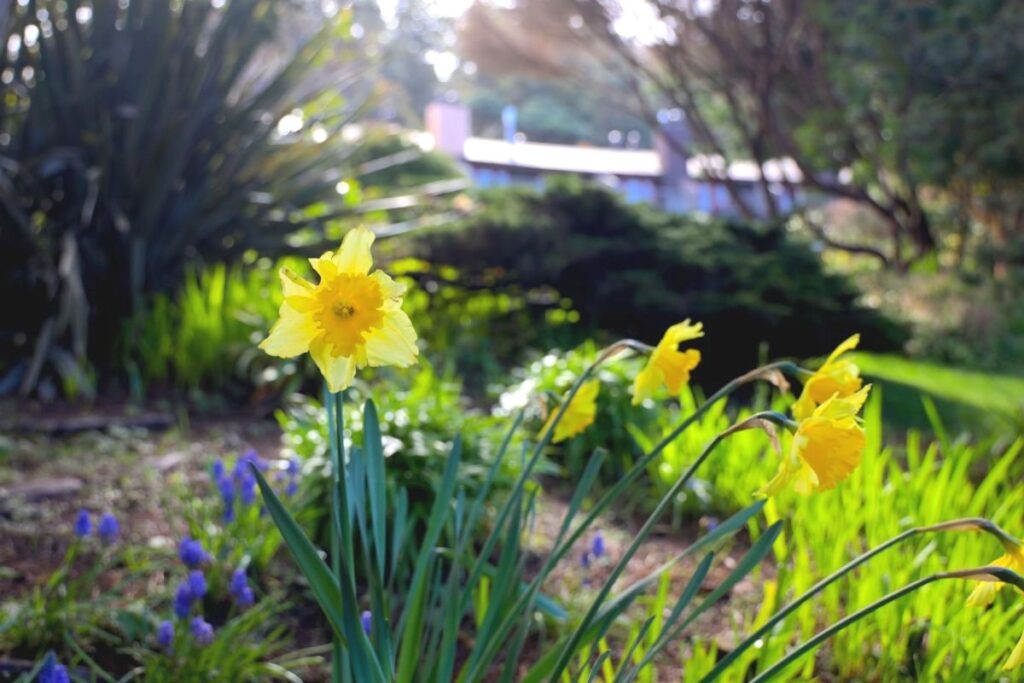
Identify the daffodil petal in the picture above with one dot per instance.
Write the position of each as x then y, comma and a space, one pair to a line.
788, 469
354, 257
849, 344
339, 371
294, 285
804, 406
984, 594
646, 383
681, 332
394, 343
578, 415
1016, 657
389, 289
676, 368
831, 448
291, 335
837, 407
324, 266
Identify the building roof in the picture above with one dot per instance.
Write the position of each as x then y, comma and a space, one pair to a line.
563, 158
597, 161
775, 170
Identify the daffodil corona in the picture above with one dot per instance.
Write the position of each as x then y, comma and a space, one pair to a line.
351, 319
837, 377
578, 415
667, 364
826, 447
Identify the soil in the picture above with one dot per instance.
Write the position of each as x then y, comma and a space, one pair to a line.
46, 476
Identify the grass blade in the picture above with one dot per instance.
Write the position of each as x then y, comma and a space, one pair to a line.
376, 483
321, 581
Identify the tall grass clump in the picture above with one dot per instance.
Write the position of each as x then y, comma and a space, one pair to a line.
138, 138
397, 602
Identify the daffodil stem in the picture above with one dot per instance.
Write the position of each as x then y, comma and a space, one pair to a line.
972, 523
639, 537
471, 667
999, 572
342, 553
562, 545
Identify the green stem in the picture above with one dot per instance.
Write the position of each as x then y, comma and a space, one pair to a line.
1000, 573
952, 525
560, 550
336, 423
524, 476
638, 539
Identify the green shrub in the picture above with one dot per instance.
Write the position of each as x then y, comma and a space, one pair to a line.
551, 375
138, 138
632, 271
418, 418
202, 339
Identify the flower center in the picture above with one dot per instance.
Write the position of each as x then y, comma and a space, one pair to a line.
348, 308
343, 309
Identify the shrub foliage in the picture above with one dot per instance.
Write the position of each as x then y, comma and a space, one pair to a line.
136, 137
631, 271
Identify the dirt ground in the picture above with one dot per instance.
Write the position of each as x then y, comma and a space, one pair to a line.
46, 475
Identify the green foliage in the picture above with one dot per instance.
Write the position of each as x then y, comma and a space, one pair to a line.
631, 271
931, 635
424, 646
927, 73
61, 609
391, 161
978, 399
204, 338
136, 140
550, 376
252, 646
417, 416
428, 584
551, 111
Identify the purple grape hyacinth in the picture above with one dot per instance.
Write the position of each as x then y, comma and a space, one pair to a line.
247, 488
165, 634
202, 631
196, 584
227, 496
108, 528
83, 524
192, 554
52, 671
366, 618
183, 601
240, 590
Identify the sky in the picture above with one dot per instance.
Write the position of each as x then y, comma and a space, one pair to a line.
444, 8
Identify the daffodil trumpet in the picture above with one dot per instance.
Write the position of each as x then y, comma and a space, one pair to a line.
350, 319
669, 365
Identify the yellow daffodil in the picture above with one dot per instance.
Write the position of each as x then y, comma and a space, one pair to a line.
667, 364
1016, 657
579, 414
826, 447
351, 319
837, 377
985, 592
